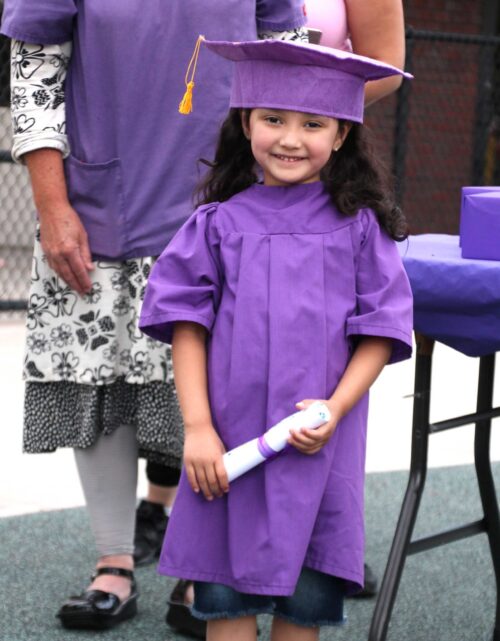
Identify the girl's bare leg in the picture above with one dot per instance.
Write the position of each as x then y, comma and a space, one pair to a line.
162, 495
285, 631
242, 629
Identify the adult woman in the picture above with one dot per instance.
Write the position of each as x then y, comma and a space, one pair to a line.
110, 193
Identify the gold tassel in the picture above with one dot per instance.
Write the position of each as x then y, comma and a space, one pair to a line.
186, 104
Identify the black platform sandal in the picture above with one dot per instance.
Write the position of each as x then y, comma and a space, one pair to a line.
179, 615
99, 610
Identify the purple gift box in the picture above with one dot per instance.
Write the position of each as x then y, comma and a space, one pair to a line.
480, 223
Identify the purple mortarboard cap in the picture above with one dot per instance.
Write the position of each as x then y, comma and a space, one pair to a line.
300, 77
480, 225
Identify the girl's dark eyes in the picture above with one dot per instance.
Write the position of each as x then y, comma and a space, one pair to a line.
274, 120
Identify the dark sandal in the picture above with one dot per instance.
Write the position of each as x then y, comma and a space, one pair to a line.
179, 616
99, 610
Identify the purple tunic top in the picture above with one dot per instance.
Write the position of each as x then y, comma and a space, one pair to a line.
133, 163
283, 283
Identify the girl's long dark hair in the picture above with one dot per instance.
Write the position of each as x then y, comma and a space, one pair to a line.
233, 168
354, 177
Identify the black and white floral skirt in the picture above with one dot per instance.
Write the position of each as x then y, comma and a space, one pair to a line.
88, 369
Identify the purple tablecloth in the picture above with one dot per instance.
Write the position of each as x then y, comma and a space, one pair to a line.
457, 300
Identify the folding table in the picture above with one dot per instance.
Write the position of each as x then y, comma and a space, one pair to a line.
457, 303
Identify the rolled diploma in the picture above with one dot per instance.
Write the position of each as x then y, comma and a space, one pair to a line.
243, 458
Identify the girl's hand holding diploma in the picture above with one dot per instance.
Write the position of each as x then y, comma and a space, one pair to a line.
205, 470
310, 441
368, 360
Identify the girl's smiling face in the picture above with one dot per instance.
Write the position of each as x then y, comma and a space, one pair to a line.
291, 147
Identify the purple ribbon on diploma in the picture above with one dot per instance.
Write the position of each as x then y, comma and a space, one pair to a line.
264, 449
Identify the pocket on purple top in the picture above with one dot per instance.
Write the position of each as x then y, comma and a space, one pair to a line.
95, 191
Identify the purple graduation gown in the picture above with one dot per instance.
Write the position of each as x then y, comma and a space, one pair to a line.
283, 283
133, 162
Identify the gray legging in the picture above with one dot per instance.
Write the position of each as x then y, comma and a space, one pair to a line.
108, 474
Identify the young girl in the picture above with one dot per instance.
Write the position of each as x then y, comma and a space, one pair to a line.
275, 294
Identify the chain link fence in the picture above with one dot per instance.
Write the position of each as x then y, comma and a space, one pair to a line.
439, 132
17, 222
446, 126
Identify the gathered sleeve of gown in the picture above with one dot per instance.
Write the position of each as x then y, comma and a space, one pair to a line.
185, 282
384, 303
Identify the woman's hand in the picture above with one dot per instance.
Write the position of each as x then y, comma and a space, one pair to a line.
205, 469
63, 237
65, 243
310, 441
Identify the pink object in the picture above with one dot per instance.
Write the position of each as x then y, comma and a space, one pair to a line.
329, 16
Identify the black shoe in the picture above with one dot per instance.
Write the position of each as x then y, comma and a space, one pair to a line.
150, 525
179, 615
99, 610
371, 585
